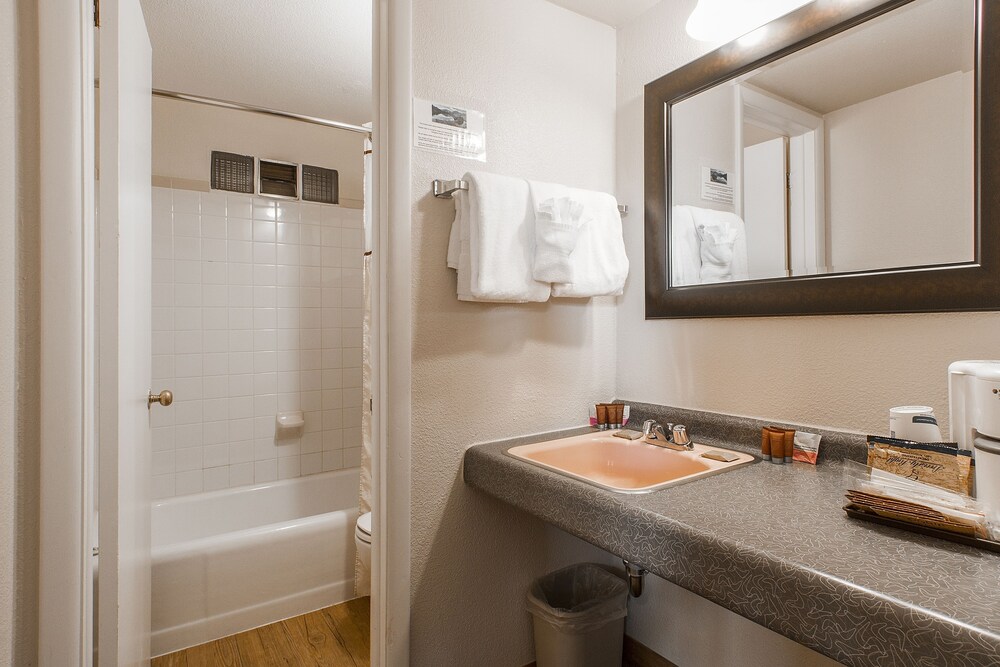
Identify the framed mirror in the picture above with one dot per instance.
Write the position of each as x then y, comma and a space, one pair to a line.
837, 160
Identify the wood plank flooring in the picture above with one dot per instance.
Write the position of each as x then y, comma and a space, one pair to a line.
333, 637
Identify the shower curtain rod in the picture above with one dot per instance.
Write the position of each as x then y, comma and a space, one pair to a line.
211, 101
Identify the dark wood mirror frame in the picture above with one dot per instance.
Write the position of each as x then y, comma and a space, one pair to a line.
958, 287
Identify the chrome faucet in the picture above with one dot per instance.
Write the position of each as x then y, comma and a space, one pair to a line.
677, 438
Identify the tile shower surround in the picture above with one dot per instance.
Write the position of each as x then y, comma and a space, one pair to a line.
257, 308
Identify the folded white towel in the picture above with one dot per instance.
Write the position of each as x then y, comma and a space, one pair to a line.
492, 241
599, 263
723, 245
459, 252
685, 248
557, 230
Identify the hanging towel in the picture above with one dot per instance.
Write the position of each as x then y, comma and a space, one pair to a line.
723, 245
492, 241
598, 262
557, 231
458, 247
685, 248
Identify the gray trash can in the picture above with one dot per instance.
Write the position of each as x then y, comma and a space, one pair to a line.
579, 617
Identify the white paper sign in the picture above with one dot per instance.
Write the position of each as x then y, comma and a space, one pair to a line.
715, 186
448, 129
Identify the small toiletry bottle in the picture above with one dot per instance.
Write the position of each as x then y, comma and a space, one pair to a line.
619, 412
765, 444
602, 416
777, 439
789, 448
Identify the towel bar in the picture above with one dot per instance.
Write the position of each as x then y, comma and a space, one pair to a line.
445, 189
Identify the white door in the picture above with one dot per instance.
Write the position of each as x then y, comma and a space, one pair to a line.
124, 302
765, 208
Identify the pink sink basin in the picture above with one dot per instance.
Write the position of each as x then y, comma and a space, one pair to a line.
627, 466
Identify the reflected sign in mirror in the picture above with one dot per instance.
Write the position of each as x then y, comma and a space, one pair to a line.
854, 154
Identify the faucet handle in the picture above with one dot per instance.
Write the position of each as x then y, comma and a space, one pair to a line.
680, 435
651, 430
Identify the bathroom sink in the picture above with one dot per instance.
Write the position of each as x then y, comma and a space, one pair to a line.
626, 466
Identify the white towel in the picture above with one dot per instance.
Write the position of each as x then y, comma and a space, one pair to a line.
723, 245
599, 263
685, 248
459, 252
557, 231
492, 241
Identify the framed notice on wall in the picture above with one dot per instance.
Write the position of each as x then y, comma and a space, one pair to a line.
715, 186
448, 129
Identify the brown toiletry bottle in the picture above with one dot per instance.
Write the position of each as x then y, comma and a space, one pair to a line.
777, 439
602, 416
789, 444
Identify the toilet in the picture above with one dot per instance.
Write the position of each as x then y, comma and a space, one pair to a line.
363, 539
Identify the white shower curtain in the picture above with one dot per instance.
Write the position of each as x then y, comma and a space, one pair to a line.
362, 577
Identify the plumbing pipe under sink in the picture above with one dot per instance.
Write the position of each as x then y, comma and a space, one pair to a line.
636, 574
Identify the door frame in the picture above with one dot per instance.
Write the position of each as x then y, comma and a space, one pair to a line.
392, 92
67, 377
806, 223
68, 416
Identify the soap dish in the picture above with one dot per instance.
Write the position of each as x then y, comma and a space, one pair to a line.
287, 421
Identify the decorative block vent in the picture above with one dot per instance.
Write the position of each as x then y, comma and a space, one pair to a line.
320, 185
232, 172
279, 179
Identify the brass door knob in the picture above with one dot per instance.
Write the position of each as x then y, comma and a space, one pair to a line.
164, 398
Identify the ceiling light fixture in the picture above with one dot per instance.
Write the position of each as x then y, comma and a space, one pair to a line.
724, 20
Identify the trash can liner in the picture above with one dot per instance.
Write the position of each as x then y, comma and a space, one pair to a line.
578, 598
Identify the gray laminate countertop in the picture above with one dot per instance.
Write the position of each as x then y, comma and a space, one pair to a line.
771, 543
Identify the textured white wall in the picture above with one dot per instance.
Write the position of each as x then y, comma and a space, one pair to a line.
841, 372
704, 136
185, 134
545, 79
911, 201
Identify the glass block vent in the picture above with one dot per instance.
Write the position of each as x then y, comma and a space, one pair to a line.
320, 185
232, 172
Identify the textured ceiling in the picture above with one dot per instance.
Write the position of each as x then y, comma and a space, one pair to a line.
307, 56
612, 12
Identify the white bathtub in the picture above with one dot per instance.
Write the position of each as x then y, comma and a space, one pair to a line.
231, 560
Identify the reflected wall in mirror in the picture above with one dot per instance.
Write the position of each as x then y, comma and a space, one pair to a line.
836, 160
853, 154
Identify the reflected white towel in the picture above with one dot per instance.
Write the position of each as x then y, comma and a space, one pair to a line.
599, 263
557, 231
492, 241
685, 248
723, 245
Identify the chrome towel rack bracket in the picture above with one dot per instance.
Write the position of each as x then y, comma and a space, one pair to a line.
445, 189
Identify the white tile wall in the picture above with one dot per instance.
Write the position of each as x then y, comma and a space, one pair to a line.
257, 307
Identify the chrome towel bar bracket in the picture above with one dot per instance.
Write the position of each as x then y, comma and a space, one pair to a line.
445, 189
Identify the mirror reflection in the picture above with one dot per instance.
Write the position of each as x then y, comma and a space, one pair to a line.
855, 154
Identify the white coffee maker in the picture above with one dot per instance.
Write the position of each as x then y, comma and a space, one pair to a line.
974, 411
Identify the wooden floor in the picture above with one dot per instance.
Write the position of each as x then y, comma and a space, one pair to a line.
336, 636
